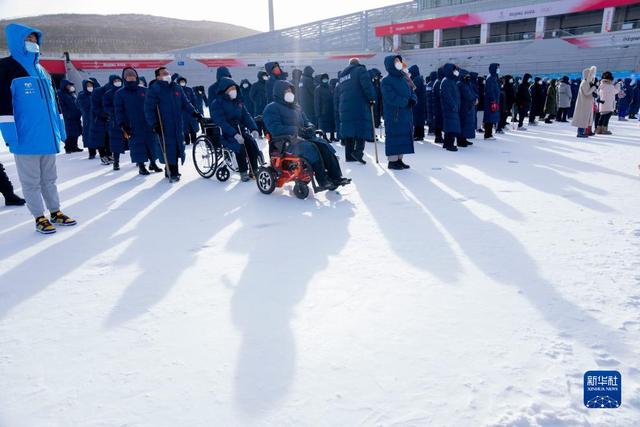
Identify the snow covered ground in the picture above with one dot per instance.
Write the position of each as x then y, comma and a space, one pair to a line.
474, 289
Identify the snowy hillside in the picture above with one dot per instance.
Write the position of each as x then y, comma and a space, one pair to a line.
474, 289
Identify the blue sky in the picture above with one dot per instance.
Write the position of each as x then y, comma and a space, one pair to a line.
249, 13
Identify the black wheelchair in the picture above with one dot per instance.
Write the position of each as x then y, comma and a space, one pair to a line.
210, 157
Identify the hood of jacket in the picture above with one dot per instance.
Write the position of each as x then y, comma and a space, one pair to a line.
414, 71
308, 71
269, 66
261, 74
64, 83
279, 88
448, 69
245, 81
389, 65
374, 72
222, 72
493, 69
16, 35
224, 84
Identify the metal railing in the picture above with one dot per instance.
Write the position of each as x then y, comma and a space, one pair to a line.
626, 25
460, 42
572, 31
526, 35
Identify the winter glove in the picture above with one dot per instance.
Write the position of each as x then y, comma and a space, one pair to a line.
239, 139
255, 134
197, 115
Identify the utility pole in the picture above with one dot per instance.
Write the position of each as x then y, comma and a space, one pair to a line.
271, 25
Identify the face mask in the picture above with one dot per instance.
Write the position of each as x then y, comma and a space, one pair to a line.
32, 47
166, 78
325, 81
265, 78
245, 85
510, 80
141, 84
89, 89
277, 72
540, 83
117, 83
498, 71
72, 89
456, 73
398, 66
183, 84
233, 94
289, 97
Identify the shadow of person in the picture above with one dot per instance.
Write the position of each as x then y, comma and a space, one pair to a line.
503, 258
287, 242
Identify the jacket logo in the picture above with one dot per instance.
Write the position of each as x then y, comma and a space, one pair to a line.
28, 85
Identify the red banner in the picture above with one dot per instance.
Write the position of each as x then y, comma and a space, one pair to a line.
118, 64
53, 66
222, 62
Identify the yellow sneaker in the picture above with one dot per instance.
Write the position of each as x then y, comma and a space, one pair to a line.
44, 226
61, 219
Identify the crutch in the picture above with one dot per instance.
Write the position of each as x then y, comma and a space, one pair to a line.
163, 145
373, 129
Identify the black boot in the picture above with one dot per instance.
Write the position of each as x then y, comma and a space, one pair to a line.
154, 167
395, 165
142, 170
404, 165
13, 200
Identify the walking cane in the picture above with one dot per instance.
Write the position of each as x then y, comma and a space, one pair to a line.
373, 128
163, 146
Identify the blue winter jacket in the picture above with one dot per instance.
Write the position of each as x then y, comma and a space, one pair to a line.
269, 87
30, 120
231, 115
116, 138
468, 98
492, 96
450, 101
189, 123
431, 99
437, 110
212, 91
84, 104
420, 109
323, 107
129, 115
398, 102
356, 91
99, 117
258, 94
245, 93
625, 102
306, 92
170, 99
70, 111
635, 104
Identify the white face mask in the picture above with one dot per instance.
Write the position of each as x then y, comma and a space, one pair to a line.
289, 97
141, 84
510, 80
183, 84
72, 89
166, 78
498, 71
233, 94
540, 83
398, 65
245, 85
117, 83
32, 47
89, 89
456, 73
265, 78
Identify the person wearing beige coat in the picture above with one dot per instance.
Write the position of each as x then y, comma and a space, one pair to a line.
607, 92
583, 115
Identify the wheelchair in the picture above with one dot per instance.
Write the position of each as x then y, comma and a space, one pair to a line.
286, 167
210, 157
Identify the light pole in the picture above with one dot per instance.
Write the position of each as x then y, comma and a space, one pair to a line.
271, 25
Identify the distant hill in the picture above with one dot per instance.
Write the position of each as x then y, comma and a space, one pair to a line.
127, 33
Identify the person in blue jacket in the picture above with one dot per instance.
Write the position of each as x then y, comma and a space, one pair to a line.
323, 106
333, 87
275, 74
72, 116
336, 108
306, 92
575, 87
376, 77
163, 107
117, 142
634, 107
357, 98
84, 104
245, 94
239, 130
284, 119
201, 98
221, 72
32, 125
491, 101
420, 109
129, 117
258, 93
430, 97
398, 100
190, 124
450, 105
468, 100
142, 81
437, 110
625, 102
100, 121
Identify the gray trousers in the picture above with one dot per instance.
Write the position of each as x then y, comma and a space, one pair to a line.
38, 177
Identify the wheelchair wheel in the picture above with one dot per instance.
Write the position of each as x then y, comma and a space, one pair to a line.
223, 174
301, 190
205, 157
266, 180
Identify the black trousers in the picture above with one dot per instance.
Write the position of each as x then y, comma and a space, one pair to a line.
104, 149
562, 114
503, 119
522, 113
604, 119
418, 132
71, 143
438, 134
488, 130
190, 136
353, 149
6, 189
329, 160
250, 148
449, 139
